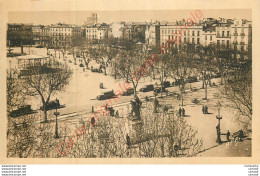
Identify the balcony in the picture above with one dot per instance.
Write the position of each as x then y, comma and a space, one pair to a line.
242, 34
242, 43
235, 34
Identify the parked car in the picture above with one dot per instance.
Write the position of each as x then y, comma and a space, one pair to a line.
195, 100
158, 89
106, 95
81, 65
147, 88
166, 84
51, 105
23, 110
129, 92
191, 79
176, 82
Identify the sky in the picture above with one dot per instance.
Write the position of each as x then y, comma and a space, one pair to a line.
78, 17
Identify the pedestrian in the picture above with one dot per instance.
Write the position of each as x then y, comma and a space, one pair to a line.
228, 134
241, 135
180, 111
183, 111
206, 109
92, 121
117, 113
112, 112
203, 109
127, 140
92, 109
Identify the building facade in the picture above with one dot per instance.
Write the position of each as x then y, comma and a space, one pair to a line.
181, 34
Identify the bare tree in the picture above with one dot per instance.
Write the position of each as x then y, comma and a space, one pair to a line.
45, 81
182, 66
238, 91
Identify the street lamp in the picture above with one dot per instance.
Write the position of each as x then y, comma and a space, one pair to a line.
56, 113
10, 62
218, 126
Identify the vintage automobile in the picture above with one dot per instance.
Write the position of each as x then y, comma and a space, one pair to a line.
191, 79
81, 65
177, 82
23, 110
158, 89
129, 92
147, 88
195, 100
106, 95
52, 105
166, 84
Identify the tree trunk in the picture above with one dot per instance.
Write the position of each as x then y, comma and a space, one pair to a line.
206, 88
21, 47
162, 83
182, 98
45, 115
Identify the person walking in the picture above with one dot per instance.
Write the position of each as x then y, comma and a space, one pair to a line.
206, 109
127, 140
203, 109
180, 111
228, 134
92, 121
183, 111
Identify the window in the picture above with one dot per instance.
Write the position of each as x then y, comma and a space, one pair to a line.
218, 42
193, 41
162, 31
242, 38
192, 33
185, 33
227, 43
198, 33
242, 48
210, 37
188, 33
184, 39
205, 37
223, 42
235, 39
223, 33
198, 40
227, 33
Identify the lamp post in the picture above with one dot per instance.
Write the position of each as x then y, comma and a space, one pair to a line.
10, 62
56, 113
218, 126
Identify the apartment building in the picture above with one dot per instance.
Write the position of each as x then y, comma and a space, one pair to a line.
98, 32
241, 35
181, 33
152, 34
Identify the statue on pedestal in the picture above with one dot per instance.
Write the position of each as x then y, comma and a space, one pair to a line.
136, 106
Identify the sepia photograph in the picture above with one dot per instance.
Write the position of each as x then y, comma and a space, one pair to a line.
129, 84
